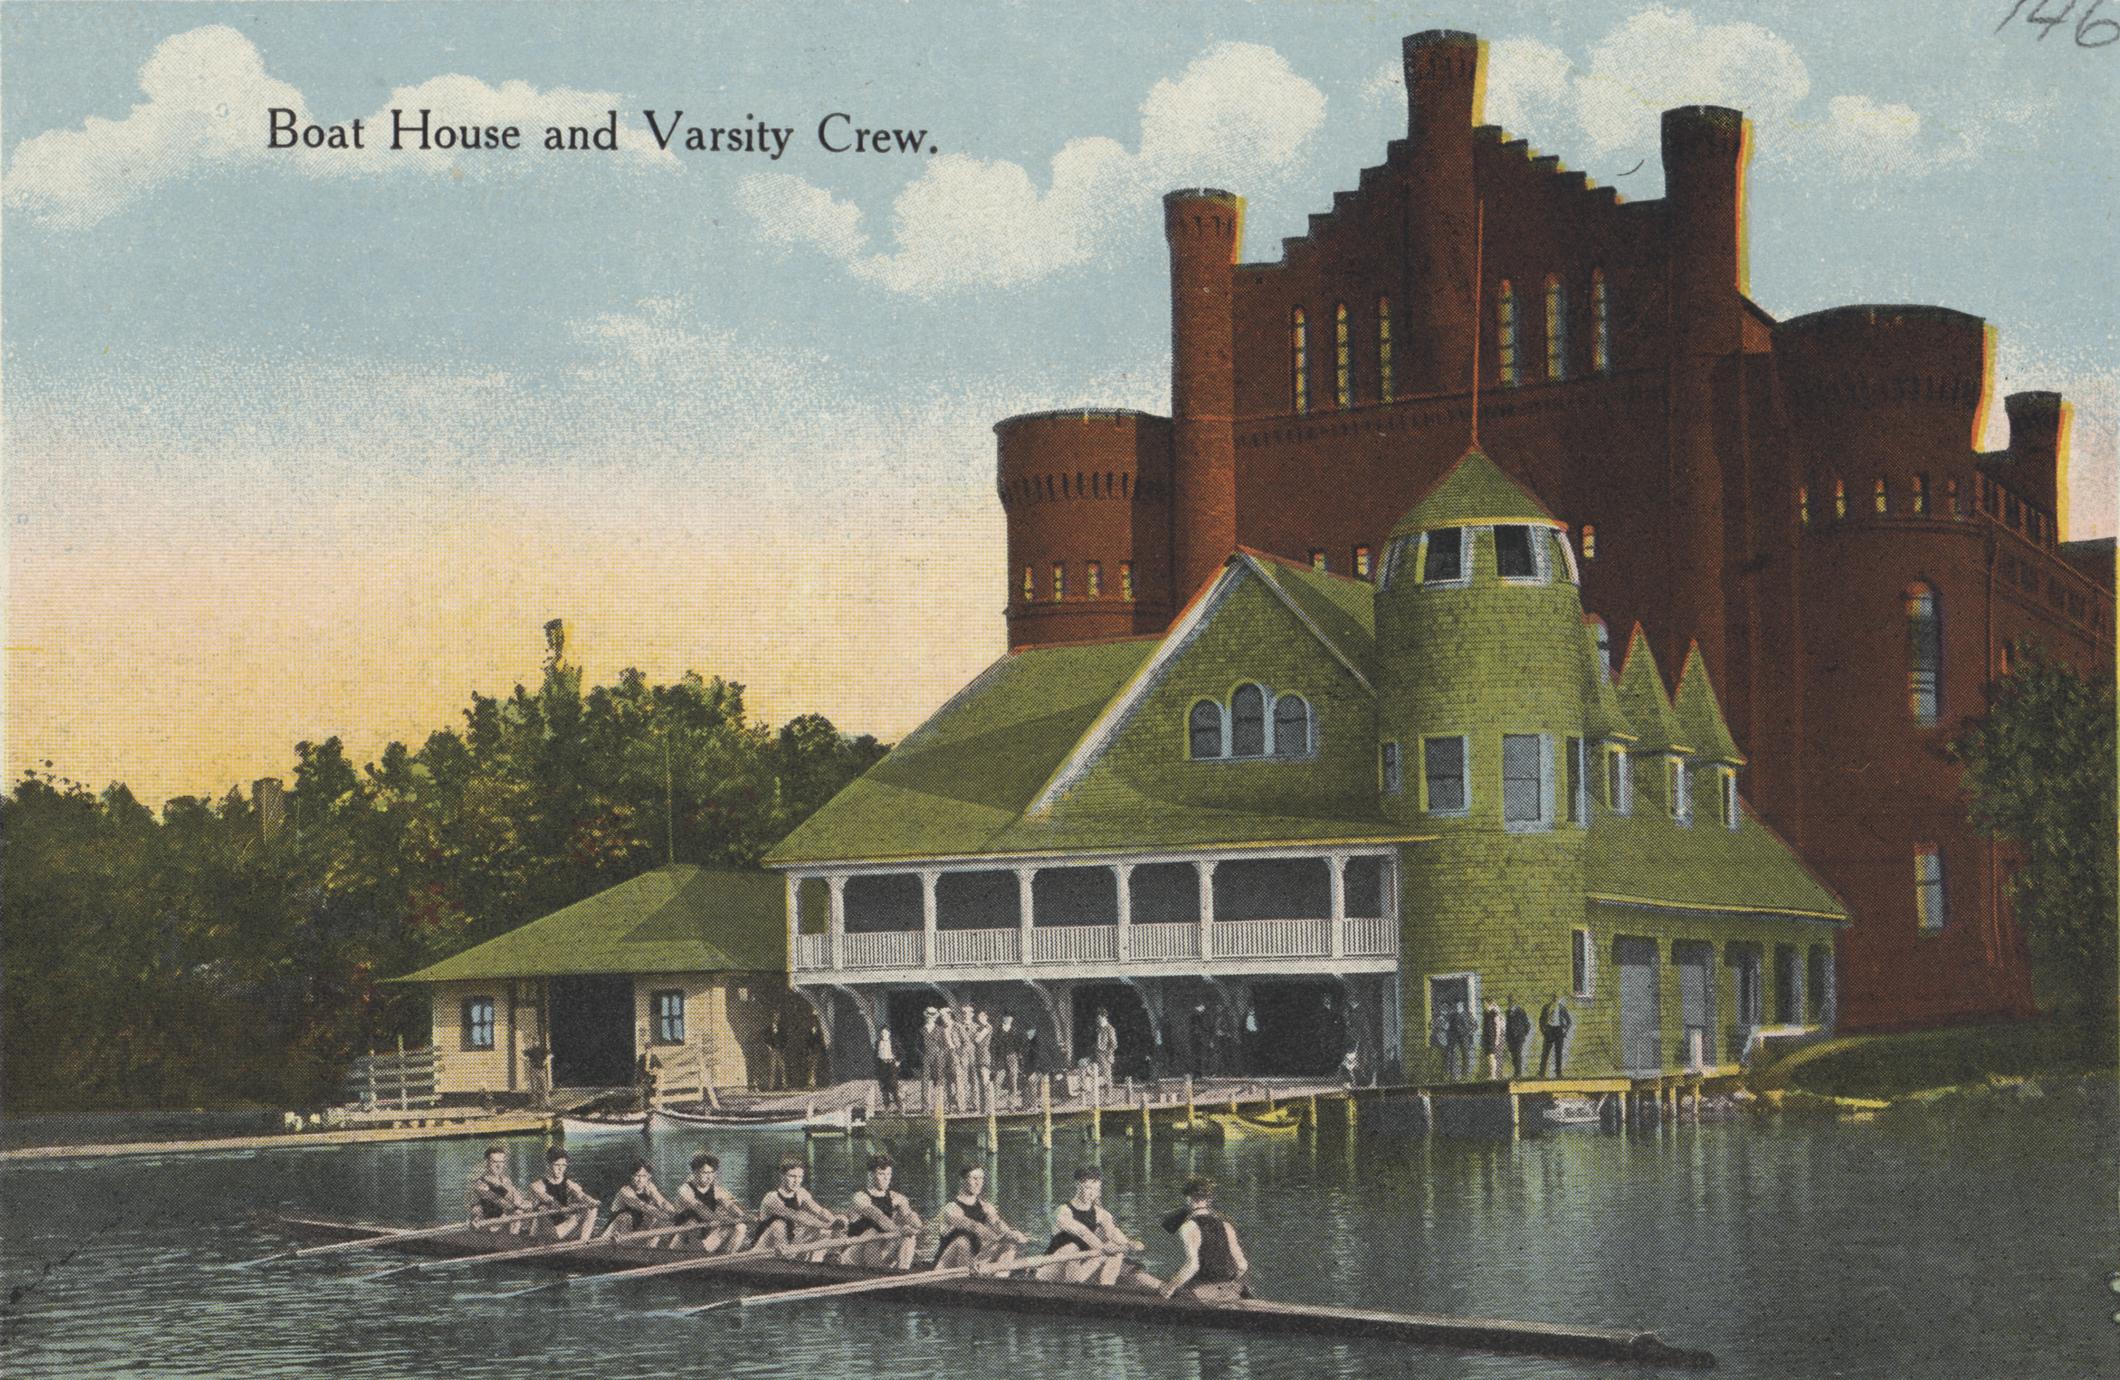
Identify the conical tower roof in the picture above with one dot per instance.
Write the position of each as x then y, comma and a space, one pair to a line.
1475, 493
1641, 698
1700, 718
1602, 716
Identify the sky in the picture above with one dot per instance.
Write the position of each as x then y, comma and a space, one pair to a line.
302, 442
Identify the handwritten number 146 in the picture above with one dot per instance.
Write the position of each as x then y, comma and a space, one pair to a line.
2090, 32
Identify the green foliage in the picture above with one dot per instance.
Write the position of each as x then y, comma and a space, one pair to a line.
202, 957
2039, 769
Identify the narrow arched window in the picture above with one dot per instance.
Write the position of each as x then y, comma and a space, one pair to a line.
1204, 728
1505, 332
1921, 494
1924, 654
1879, 498
1059, 581
1030, 585
1556, 330
1291, 727
1126, 579
1589, 541
1803, 504
1601, 324
1840, 498
1299, 361
1361, 563
1247, 722
1384, 349
1342, 367
1093, 577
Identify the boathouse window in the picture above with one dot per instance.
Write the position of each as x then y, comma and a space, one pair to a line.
1317, 558
1093, 579
1030, 585
1589, 541
1921, 494
1059, 582
1247, 722
1515, 554
670, 1017
1361, 562
1556, 330
1675, 793
1579, 962
1204, 727
1505, 333
1342, 371
1443, 776
1924, 655
478, 1023
1619, 782
1384, 349
1126, 580
1840, 498
1527, 781
1928, 889
1394, 782
1298, 362
1291, 726
1601, 324
1578, 768
1726, 789
1443, 556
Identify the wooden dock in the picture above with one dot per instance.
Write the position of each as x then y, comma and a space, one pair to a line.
436, 1128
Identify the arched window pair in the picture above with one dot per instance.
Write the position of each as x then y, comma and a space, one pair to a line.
1248, 729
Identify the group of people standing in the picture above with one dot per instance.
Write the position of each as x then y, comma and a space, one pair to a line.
969, 1061
1456, 1031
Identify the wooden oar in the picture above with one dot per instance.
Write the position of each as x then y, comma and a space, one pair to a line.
387, 1238
531, 1252
898, 1281
707, 1262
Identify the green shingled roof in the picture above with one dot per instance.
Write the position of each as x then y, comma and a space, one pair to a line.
680, 919
1343, 610
1602, 717
1642, 700
1650, 859
1474, 493
1700, 718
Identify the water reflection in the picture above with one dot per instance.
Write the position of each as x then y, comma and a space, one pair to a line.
1930, 1243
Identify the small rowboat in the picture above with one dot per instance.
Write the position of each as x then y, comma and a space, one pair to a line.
583, 1125
1277, 1121
1105, 1305
838, 1122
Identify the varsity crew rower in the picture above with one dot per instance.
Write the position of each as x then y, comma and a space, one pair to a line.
640, 1205
1083, 1224
880, 1208
788, 1214
1215, 1266
701, 1199
556, 1190
973, 1232
492, 1193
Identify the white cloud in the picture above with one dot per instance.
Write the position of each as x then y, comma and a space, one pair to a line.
207, 97
1530, 85
1661, 58
1238, 116
2091, 386
1864, 136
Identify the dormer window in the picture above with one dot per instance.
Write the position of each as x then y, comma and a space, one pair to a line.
1726, 787
1619, 783
1675, 790
1443, 556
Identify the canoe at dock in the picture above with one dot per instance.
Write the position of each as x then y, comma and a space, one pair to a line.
1094, 1303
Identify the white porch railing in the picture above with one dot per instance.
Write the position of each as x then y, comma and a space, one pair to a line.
1369, 938
813, 951
1166, 941
976, 948
883, 949
1272, 938
1075, 944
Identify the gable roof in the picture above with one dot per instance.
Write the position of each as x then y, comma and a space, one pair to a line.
1641, 698
1340, 611
1474, 492
680, 919
1647, 859
1700, 718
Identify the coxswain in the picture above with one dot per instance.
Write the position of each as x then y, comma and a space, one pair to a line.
788, 1214
701, 1200
1083, 1224
640, 1206
879, 1208
1215, 1266
492, 1193
973, 1232
556, 1190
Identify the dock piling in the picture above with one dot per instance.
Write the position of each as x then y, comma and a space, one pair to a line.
1189, 1117
1045, 1095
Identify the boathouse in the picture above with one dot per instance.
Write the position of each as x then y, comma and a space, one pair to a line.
683, 963
1314, 812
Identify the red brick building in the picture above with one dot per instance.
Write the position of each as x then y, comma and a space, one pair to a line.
1803, 497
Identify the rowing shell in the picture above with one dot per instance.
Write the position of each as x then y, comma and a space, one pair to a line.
839, 1121
1097, 1303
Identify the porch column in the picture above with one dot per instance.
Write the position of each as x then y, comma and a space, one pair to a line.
838, 936
1336, 868
1023, 906
794, 923
1124, 873
1206, 868
927, 917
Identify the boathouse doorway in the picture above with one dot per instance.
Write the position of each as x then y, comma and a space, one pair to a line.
1302, 1027
1696, 1002
592, 1032
1639, 1015
1137, 1036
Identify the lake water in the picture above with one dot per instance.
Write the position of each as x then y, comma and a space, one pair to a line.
1968, 1242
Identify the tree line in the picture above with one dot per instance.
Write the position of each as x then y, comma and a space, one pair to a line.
237, 949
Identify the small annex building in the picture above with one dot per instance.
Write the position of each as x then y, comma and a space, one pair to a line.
683, 963
1314, 813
